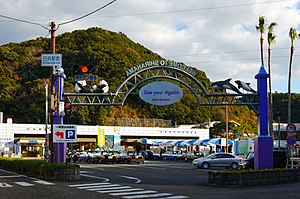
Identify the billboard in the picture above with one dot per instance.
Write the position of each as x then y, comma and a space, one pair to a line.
161, 93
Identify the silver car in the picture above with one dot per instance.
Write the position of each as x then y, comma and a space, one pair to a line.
226, 160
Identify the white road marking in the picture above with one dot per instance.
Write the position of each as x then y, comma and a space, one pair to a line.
82, 185
148, 196
87, 172
157, 168
99, 186
24, 184
5, 185
105, 179
110, 188
175, 197
120, 190
43, 182
132, 193
132, 178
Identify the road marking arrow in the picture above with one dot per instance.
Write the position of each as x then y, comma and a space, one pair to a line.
4, 185
132, 178
59, 134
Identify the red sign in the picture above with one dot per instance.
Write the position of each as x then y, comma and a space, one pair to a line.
59, 134
291, 128
291, 140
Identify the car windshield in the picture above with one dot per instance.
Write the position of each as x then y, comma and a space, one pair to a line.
211, 155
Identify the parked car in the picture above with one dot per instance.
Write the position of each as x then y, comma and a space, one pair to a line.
130, 157
191, 155
106, 157
226, 160
172, 155
72, 156
82, 156
248, 162
91, 154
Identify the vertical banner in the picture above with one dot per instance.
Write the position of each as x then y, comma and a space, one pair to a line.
117, 139
101, 137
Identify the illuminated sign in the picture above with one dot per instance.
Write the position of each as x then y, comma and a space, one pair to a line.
161, 93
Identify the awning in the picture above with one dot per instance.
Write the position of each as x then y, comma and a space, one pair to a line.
217, 141
156, 143
205, 142
166, 143
197, 142
187, 142
176, 142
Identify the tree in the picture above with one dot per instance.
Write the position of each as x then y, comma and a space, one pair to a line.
261, 28
293, 35
271, 40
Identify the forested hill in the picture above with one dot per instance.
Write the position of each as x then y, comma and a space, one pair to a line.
22, 86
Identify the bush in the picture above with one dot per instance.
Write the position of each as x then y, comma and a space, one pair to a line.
40, 169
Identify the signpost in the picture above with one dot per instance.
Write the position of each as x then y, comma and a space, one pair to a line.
64, 133
291, 139
51, 60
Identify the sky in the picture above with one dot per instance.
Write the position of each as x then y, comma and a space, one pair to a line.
216, 36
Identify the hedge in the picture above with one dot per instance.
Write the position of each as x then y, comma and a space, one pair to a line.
41, 169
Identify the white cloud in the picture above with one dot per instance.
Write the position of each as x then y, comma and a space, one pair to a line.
218, 37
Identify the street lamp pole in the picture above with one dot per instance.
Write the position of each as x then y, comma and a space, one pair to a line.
226, 118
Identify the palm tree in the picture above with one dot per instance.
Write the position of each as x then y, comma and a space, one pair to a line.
293, 35
261, 28
271, 40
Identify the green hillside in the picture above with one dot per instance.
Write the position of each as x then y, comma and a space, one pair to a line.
23, 81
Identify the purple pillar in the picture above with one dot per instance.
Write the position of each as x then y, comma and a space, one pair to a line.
59, 148
263, 143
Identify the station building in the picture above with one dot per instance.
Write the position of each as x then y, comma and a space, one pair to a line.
31, 139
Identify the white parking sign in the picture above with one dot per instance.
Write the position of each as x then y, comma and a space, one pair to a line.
64, 133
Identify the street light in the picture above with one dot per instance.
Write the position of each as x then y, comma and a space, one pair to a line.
226, 120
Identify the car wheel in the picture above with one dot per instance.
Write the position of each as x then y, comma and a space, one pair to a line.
234, 166
205, 165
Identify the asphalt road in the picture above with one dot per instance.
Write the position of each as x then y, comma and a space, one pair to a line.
155, 179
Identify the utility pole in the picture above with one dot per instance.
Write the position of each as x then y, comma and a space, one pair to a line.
58, 150
53, 95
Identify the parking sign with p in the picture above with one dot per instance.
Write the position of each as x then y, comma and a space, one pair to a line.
64, 133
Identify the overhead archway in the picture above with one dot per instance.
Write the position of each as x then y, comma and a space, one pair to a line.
163, 69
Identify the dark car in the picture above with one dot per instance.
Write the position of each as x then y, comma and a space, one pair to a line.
248, 162
106, 157
191, 155
130, 157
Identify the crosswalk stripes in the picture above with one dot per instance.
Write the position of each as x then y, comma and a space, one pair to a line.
127, 192
26, 184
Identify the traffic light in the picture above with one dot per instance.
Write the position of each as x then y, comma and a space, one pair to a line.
68, 108
84, 68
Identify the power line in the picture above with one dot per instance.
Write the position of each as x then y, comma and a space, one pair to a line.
197, 9
24, 21
217, 53
86, 15
38, 24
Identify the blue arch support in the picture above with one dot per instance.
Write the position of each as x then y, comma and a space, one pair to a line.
263, 143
